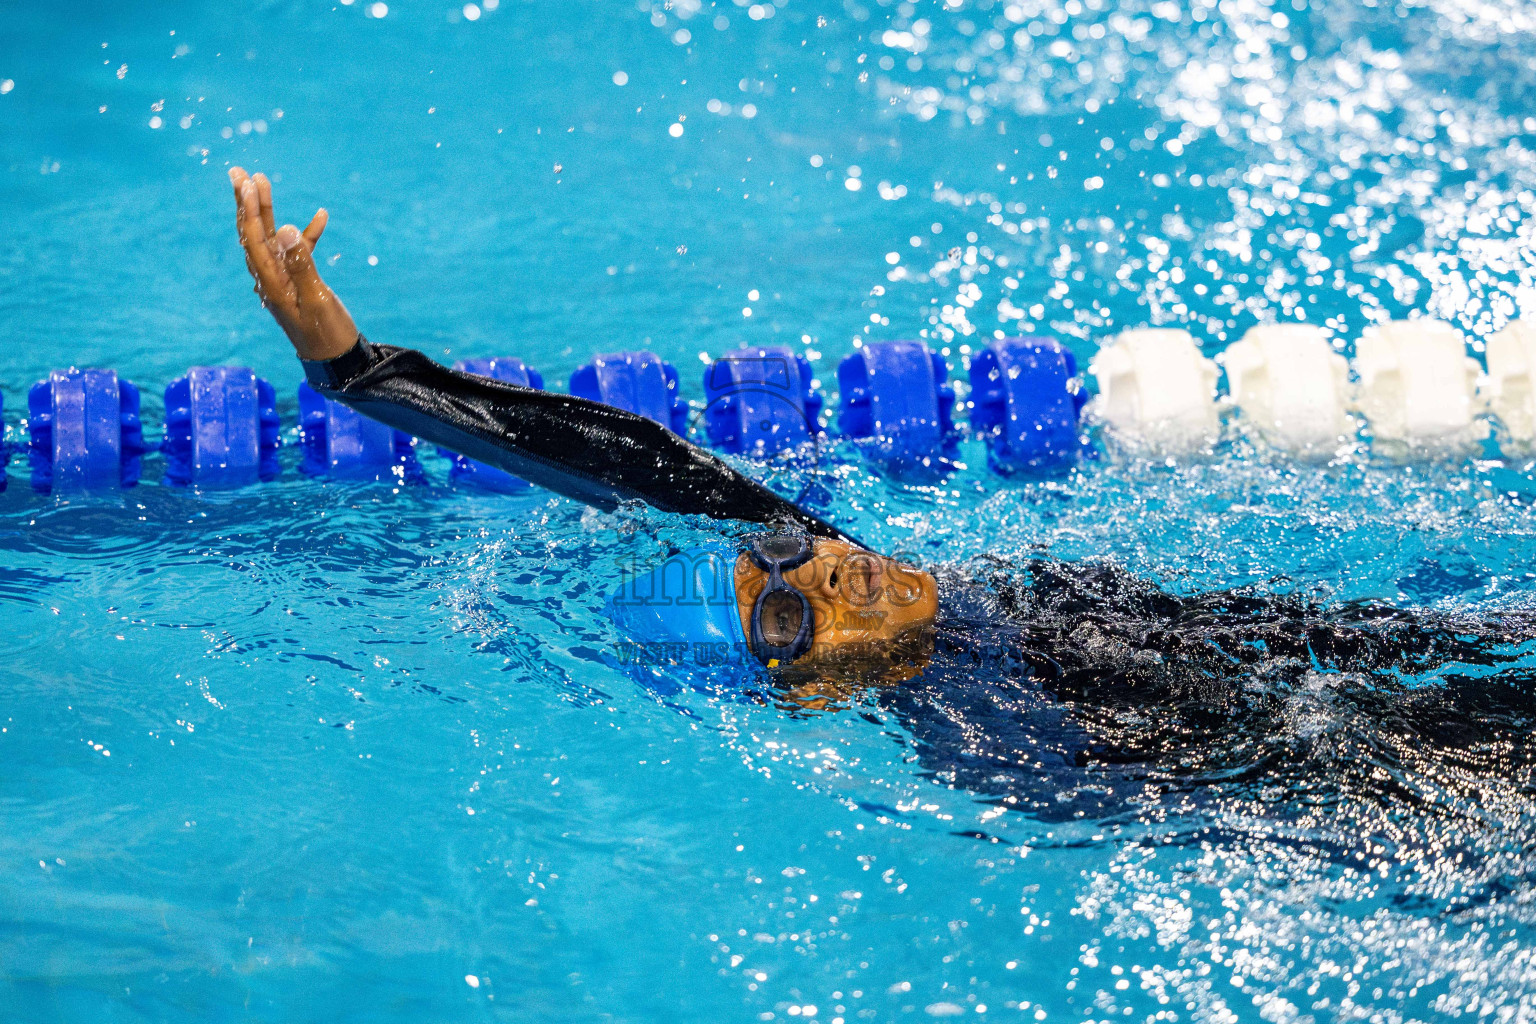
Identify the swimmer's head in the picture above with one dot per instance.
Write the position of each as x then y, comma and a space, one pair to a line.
863, 607
863, 616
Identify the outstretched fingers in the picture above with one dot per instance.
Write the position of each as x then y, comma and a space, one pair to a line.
238, 177
286, 278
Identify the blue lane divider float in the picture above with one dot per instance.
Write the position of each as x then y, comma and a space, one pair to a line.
84, 431
639, 382
5, 449
221, 428
463, 470
896, 395
339, 442
759, 401
1026, 399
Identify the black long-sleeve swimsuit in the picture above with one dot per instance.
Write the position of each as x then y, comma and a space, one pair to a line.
1071, 690
587, 451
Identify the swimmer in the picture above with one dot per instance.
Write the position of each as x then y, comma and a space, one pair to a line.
1029, 677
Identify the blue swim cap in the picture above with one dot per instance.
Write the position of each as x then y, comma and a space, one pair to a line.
690, 599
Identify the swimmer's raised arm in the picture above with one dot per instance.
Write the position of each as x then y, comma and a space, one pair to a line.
584, 450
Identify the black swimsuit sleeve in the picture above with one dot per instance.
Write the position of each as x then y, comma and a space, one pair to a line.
587, 451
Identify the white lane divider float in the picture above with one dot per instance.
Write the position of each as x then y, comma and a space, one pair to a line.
1289, 382
1510, 388
1417, 385
1156, 386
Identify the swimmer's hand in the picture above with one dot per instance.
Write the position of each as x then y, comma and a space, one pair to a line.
280, 261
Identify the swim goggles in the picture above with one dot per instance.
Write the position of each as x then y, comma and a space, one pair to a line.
782, 621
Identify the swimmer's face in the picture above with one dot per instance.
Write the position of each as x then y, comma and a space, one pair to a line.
860, 600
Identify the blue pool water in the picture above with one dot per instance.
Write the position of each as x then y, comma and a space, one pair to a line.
329, 751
